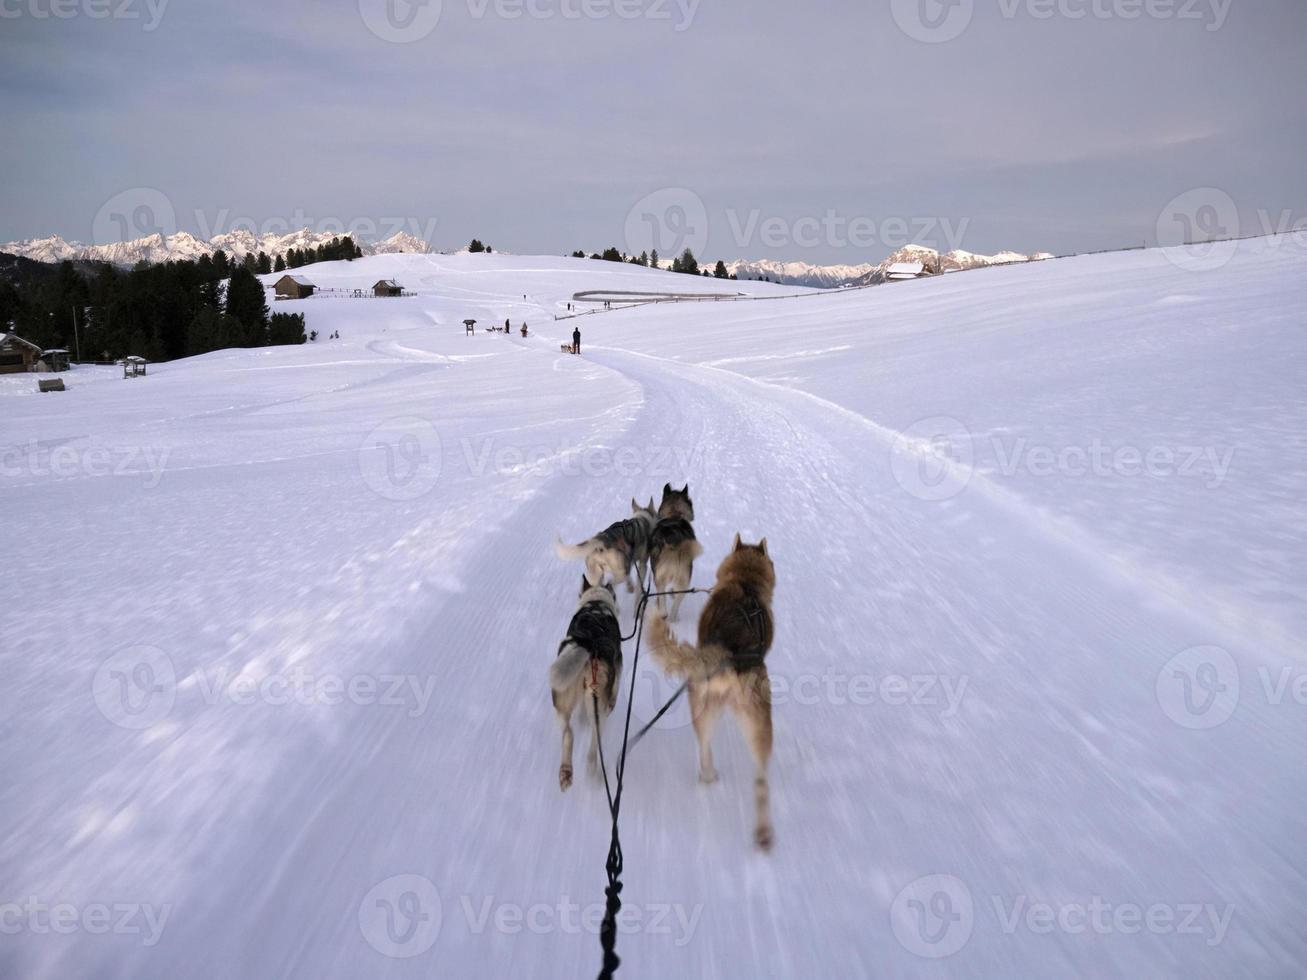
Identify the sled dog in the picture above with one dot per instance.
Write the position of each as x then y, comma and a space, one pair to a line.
617, 551
673, 547
727, 668
589, 664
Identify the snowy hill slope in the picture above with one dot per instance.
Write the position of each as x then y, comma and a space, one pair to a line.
283, 693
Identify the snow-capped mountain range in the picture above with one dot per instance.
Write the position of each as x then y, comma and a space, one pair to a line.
798, 273
833, 276
182, 245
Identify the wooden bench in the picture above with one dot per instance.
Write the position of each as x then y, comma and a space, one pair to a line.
51, 384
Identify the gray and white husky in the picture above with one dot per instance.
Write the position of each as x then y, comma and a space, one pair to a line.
673, 547
617, 551
587, 668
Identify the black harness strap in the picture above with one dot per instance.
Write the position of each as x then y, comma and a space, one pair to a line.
614, 865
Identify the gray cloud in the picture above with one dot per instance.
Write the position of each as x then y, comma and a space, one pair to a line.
1028, 130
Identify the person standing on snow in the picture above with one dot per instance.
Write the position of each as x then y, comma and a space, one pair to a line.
576, 340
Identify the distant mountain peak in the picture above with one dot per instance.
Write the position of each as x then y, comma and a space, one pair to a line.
183, 245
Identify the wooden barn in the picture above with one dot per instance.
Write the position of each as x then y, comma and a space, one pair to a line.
17, 356
54, 360
294, 287
905, 270
388, 287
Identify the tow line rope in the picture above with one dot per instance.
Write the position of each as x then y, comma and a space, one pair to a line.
614, 864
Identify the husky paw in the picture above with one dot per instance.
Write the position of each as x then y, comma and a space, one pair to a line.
707, 776
564, 778
764, 837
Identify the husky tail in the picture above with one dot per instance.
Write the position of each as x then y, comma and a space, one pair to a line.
568, 668
571, 552
682, 659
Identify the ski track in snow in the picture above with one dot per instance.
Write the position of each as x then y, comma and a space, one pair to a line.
1055, 776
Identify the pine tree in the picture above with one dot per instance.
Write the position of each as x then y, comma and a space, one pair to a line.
264, 263
247, 304
286, 328
280, 264
720, 272
653, 260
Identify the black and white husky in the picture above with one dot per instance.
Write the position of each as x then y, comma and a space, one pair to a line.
617, 551
588, 666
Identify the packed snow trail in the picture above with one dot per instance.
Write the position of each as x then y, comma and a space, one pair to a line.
960, 692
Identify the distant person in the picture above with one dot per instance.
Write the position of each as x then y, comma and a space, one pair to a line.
506, 325
576, 340
524, 328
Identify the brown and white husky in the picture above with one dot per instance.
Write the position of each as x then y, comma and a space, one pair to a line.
727, 668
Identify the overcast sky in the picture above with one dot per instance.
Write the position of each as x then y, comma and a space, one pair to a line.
816, 130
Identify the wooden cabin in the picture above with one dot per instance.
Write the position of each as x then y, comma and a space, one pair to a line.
387, 287
17, 356
905, 270
293, 287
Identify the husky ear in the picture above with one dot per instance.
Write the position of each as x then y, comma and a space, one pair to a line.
667, 489
585, 585
635, 508
652, 506
686, 490
763, 545
736, 546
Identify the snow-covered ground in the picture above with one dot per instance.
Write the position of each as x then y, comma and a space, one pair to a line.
277, 625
